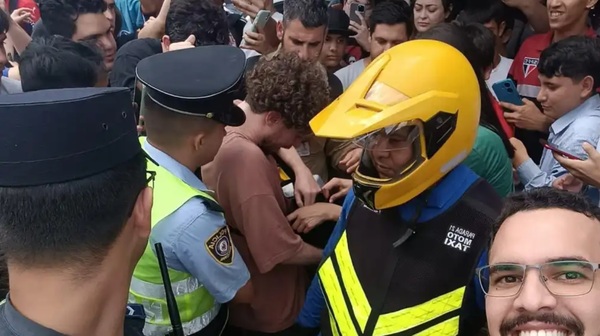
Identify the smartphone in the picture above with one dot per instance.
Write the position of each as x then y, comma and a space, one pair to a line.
356, 7
259, 22
559, 151
506, 92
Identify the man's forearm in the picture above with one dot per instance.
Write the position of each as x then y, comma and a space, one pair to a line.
308, 255
537, 16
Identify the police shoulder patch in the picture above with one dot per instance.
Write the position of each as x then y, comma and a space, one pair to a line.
220, 246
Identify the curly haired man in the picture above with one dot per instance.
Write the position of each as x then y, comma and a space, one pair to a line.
283, 94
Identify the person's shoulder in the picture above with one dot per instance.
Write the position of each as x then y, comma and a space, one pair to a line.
534, 44
237, 147
9, 85
140, 48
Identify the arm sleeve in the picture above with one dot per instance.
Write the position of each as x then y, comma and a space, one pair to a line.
310, 315
192, 251
533, 177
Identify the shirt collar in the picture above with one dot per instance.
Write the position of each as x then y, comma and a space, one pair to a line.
174, 167
546, 38
19, 323
563, 122
438, 198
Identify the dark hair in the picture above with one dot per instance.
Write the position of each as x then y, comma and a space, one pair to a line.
201, 18
57, 62
4, 22
311, 13
545, 198
73, 223
484, 42
289, 85
391, 12
485, 11
60, 15
450, 6
453, 35
574, 57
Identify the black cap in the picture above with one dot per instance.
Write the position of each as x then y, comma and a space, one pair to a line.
55, 136
201, 81
338, 22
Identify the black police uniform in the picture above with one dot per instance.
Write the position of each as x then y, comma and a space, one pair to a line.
57, 136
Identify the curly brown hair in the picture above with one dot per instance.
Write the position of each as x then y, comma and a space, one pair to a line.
295, 88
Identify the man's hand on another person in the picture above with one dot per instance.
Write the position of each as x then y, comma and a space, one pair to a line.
336, 188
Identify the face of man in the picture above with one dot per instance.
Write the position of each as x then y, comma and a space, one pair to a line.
279, 135
110, 12
98, 28
391, 153
333, 51
386, 36
536, 237
306, 42
560, 95
566, 14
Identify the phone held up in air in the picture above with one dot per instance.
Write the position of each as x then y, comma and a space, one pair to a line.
259, 22
557, 150
506, 92
356, 7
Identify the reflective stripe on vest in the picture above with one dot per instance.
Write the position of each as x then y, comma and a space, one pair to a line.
347, 287
196, 306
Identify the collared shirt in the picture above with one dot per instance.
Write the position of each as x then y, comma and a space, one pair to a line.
184, 235
13, 323
568, 133
445, 194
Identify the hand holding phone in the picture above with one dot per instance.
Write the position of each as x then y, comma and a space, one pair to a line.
506, 92
559, 151
356, 7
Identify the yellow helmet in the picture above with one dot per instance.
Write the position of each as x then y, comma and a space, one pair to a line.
415, 111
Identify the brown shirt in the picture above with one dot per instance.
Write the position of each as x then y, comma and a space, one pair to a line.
248, 188
321, 156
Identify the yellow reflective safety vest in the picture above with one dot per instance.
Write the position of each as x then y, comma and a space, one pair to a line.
196, 305
372, 287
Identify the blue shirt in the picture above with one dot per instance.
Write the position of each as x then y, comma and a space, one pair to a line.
568, 133
184, 233
445, 194
132, 18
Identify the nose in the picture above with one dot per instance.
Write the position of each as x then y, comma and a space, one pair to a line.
534, 295
388, 46
422, 14
109, 15
551, 4
303, 52
542, 97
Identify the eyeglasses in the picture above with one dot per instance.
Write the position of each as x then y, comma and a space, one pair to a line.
561, 278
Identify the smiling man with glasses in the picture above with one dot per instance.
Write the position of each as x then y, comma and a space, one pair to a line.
541, 277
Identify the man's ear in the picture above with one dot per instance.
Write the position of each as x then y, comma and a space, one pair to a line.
587, 86
198, 141
141, 215
165, 42
272, 118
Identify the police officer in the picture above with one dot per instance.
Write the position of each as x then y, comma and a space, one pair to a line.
74, 212
402, 256
187, 101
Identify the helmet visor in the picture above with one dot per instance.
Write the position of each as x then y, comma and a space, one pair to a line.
390, 153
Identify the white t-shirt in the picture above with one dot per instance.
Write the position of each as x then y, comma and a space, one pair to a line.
349, 73
499, 73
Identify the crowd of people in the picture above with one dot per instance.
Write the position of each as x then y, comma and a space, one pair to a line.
299, 167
